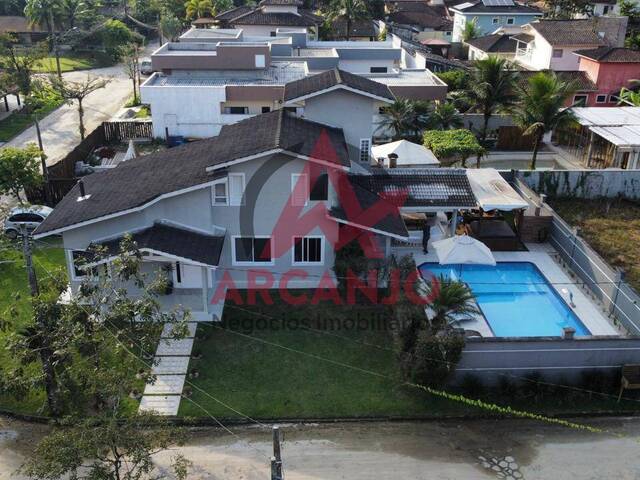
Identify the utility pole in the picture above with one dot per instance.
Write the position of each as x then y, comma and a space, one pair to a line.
43, 158
276, 461
26, 250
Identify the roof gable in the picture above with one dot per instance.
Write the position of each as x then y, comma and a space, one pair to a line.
332, 79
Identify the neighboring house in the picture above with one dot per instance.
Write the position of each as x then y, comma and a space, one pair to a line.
550, 44
361, 31
269, 16
22, 29
495, 45
610, 69
419, 21
601, 8
245, 76
490, 15
585, 88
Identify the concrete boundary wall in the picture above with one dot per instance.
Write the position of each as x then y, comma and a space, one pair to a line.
609, 183
553, 358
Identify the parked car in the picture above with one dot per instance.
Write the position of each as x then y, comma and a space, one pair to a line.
145, 66
30, 216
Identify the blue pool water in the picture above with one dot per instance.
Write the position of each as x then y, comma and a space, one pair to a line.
515, 297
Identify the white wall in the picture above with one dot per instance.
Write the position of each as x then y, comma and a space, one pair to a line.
364, 66
196, 109
568, 61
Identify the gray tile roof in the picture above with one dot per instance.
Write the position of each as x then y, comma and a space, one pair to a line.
136, 182
169, 239
580, 78
331, 78
497, 43
278, 19
424, 19
611, 55
431, 187
233, 13
569, 32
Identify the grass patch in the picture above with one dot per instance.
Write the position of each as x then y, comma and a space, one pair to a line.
67, 64
17, 122
265, 381
15, 295
611, 227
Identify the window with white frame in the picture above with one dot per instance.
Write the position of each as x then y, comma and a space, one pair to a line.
76, 261
260, 61
308, 250
601, 99
236, 110
557, 53
252, 250
580, 100
299, 189
365, 150
495, 20
236, 189
219, 193
511, 21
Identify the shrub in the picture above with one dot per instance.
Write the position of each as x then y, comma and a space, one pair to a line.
435, 358
452, 145
43, 98
455, 79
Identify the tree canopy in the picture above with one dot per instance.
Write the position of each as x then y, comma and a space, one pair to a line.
452, 145
19, 169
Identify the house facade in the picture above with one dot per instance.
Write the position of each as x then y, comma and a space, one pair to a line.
494, 45
610, 69
490, 15
270, 15
551, 44
214, 77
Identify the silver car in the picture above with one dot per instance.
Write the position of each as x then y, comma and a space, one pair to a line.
145, 66
30, 217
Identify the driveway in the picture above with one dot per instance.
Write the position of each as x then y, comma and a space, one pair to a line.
60, 129
474, 449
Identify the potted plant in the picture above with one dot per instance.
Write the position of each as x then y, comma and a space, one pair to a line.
194, 373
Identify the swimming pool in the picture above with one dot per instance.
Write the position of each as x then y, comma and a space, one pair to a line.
515, 298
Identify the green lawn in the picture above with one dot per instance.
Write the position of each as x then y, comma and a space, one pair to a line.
14, 295
265, 381
67, 64
611, 228
16, 123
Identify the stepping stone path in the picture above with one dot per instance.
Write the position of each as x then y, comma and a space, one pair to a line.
170, 367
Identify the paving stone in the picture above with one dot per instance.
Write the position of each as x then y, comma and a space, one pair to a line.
175, 347
161, 404
168, 327
165, 385
170, 365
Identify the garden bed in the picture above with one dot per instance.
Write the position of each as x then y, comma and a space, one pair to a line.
612, 228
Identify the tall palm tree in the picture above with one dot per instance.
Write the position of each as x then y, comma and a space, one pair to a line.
198, 9
542, 107
405, 118
350, 11
44, 12
491, 88
446, 117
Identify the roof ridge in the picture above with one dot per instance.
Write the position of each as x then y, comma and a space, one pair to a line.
338, 76
278, 132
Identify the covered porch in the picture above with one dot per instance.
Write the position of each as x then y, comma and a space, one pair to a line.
187, 257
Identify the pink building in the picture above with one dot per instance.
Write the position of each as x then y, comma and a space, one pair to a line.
610, 69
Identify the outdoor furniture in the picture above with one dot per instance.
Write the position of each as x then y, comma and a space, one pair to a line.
630, 379
464, 250
495, 234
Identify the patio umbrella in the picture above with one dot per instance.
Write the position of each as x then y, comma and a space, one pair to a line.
463, 249
408, 153
132, 151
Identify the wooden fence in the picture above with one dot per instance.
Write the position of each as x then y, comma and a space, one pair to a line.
62, 175
117, 131
511, 138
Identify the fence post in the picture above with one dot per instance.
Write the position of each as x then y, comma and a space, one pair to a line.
572, 262
618, 283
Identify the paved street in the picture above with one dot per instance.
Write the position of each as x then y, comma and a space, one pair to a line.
433, 450
60, 129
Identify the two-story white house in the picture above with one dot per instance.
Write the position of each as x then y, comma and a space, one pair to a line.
550, 44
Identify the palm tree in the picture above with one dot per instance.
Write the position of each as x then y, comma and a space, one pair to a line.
446, 117
629, 97
405, 118
542, 107
44, 12
470, 30
350, 11
450, 302
198, 9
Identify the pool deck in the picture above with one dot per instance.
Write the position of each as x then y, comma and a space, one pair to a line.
540, 254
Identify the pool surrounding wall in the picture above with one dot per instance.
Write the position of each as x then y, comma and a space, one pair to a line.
491, 359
